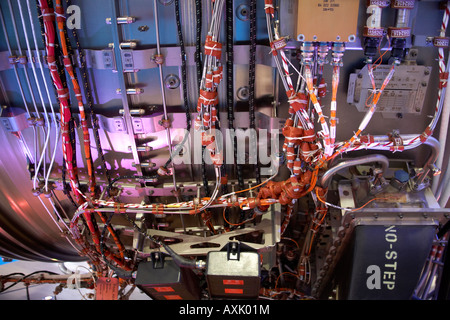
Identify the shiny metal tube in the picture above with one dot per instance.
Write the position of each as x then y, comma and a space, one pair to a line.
328, 175
402, 20
22, 93
163, 93
47, 90
443, 192
27, 76
430, 164
42, 160
2, 20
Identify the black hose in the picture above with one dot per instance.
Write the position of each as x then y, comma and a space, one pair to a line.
27, 276
90, 100
182, 262
252, 81
443, 230
183, 84
110, 185
229, 9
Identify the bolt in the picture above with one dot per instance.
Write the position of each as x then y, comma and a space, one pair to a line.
166, 2
242, 12
143, 28
243, 93
172, 81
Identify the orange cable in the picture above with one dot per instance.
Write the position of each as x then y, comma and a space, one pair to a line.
286, 272
77, 90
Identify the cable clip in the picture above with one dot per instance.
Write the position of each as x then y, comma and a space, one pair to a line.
426, 134
12, 60
23, 60
443, 78
165, 123
441, 42
277, 45
59, 13
213, 48
268, 7
208, 98
158, 59
397, 142
48, 14
218, 75
163, 171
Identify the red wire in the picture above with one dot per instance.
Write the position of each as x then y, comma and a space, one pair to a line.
66, 115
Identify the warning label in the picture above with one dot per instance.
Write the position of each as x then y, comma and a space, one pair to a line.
328, 5
338, 20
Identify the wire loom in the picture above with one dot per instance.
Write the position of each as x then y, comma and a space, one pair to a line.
308, 152
304, 163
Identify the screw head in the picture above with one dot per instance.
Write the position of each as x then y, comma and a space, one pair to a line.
143, 28
172, 81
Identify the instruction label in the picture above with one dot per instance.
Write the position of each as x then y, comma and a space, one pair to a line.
107, 289
329, 5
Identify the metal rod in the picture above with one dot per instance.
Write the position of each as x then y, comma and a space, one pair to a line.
41, 65
22, 93
42, 161
2, 20
57, 224
163, 93
125, 102
328, 175
435, 146
27, 77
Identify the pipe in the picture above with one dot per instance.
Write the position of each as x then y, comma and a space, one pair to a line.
41, 65
19, 48
418, 181
63, 268
22, 93
27, 78
443, 192
430, 164
8, 44
122, 84
445, 116
328, 175
158, 51
181, 261
42, 160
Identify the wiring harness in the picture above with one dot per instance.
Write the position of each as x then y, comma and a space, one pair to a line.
308, 149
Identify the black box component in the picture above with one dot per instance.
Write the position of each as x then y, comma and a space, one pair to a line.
233, 274
388, 260
163, 279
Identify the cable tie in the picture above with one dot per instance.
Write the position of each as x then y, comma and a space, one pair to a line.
443, 77
158, 59
268, 7
277, 45
213, 48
